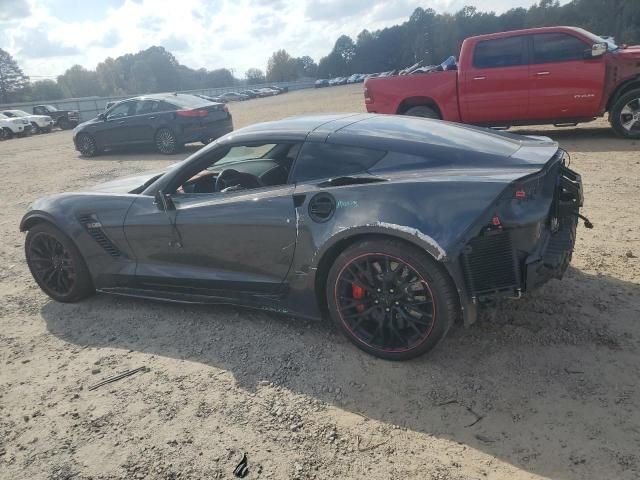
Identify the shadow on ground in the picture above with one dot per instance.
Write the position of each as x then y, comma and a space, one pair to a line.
525, 384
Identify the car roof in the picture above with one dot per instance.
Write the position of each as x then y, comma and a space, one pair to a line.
385, 132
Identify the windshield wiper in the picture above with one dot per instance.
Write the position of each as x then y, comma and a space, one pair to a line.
348, 180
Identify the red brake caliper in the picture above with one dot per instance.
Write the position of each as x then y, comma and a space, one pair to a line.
358, 293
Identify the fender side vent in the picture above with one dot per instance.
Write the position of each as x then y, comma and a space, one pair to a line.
94, 228
490, 264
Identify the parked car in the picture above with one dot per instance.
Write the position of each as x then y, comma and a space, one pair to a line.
553, 75
268, 92
249, 93
321, 82
279, 89
233, 97
64, 119
294, 216
39, 123
210, 99
167, 120
10, 127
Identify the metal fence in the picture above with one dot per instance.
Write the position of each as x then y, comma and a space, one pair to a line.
91, 107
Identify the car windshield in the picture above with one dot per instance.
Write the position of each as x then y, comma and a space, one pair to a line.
51, 108
18, 113
243, 153
3, 117
597, 39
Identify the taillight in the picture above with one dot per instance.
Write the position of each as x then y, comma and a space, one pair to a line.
192, 113
521, 194
368, 98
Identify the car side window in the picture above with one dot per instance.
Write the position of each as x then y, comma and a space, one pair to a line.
501, 52
557, 47
146, 106
38, 110
326, 160
122, 110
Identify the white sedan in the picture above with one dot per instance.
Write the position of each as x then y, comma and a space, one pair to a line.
13, 126
40, 123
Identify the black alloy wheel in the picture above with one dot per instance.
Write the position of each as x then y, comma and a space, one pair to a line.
166, 141
87, 145
56, 264
391, 299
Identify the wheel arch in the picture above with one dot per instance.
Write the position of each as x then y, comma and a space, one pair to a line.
418, 101
30, 221
625, 87
340, 243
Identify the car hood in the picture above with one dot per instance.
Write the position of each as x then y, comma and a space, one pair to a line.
127, 184
631, 52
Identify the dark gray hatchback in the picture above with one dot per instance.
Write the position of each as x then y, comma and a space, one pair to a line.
167, 121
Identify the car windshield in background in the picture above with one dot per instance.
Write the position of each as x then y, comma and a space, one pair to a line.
3, 117
596, 39
19, 113
51, 108
188, 101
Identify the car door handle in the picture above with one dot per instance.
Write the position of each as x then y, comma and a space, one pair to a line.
480, 78
541, 74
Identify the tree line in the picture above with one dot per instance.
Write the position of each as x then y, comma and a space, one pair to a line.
427, 36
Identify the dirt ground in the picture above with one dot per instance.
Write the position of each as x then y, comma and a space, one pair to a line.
543, 387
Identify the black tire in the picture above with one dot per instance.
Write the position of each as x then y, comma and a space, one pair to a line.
65, 124
625, 115
57, 265
416, 300
423, 111
35, 128
166, 141
86, 145
5, 134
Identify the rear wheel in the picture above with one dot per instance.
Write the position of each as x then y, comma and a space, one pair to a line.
625, 115
390, 299
87, 145
423, 111
5, 134
166, 141
57, 265
35, 128
65, 124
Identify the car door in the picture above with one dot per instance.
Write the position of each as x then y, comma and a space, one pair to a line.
494, 89
142, 124
224, 244
114, 129
564, 82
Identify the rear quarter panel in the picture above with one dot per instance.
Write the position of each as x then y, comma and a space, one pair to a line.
392, 93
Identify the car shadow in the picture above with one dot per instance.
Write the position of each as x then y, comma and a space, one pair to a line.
541, 383
584, 138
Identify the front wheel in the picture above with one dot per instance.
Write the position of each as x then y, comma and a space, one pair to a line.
391, 299
166, 141
87, 145
625, 115
57, 265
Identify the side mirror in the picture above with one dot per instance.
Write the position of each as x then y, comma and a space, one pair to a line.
598, 49
163, 201
102, 116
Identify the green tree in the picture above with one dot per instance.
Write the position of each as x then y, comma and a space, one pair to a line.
44, 90
79, 82
281, 67
12, 79
254, 75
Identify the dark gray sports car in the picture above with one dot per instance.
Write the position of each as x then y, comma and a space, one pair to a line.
394, 226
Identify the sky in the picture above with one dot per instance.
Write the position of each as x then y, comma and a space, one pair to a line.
48, 36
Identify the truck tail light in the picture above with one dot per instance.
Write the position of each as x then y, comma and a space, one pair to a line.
192, 113
368, 98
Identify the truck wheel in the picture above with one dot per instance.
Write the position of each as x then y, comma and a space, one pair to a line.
422, 111
64, 124
5, 134
625, 115
390, 299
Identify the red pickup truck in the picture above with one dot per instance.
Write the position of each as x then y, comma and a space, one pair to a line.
554, 75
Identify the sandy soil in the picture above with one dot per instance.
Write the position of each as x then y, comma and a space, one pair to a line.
544, 387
